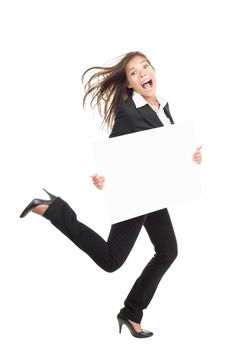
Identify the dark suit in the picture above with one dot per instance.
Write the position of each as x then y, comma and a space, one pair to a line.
130, 119
111, 254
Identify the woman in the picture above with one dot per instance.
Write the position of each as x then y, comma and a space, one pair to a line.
128, 91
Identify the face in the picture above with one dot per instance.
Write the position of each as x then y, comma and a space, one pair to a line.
141, 76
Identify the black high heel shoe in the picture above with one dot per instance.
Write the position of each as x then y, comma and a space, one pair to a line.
142, 334
36, 202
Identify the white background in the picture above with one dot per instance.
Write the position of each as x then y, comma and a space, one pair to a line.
52, 295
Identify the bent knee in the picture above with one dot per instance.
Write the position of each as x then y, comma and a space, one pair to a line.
173, 255
112, 267
167, 257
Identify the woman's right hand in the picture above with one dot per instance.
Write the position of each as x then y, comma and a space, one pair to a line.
98, 180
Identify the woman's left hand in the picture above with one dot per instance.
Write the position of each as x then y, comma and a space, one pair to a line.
197, 156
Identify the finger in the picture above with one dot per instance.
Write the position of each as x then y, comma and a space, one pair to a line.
95, 174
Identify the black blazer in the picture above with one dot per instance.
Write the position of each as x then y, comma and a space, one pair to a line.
130, 119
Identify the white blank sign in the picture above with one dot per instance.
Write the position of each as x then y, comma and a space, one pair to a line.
147, 170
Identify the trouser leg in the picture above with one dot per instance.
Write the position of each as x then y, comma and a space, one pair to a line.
110, 254
160, 230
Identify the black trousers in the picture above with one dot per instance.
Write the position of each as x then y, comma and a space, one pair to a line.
111, 254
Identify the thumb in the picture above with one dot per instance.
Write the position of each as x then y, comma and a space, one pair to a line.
198, 148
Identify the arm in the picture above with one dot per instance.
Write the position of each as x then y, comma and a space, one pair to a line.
122, 123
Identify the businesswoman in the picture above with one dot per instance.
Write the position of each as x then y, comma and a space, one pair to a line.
125, 95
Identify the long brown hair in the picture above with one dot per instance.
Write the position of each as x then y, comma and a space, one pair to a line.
108, 87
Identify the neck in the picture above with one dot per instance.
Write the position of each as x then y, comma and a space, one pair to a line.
152, 101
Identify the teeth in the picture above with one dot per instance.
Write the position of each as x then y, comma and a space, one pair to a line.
146, 81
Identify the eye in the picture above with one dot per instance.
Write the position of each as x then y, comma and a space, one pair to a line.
146, 65
133, 73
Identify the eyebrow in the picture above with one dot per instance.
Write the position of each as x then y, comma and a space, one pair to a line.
134, 67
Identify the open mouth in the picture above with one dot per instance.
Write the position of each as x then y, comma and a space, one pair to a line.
147, 84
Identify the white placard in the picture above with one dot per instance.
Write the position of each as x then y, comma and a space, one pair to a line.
147, 170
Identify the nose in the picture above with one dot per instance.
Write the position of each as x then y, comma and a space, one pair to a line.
142, 73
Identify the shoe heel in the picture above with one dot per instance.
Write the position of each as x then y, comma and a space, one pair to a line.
120, 325
49, 194
36, 202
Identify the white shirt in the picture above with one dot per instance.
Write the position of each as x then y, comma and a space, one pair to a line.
140, 101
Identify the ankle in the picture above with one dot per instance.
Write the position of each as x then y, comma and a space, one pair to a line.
40, 209
136, 326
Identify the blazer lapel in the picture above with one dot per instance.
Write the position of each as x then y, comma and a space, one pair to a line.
150, 116
167, 112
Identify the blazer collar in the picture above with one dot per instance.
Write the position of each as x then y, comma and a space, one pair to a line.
146, 111
140, 101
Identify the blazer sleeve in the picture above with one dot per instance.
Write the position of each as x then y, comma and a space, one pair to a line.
122, 123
